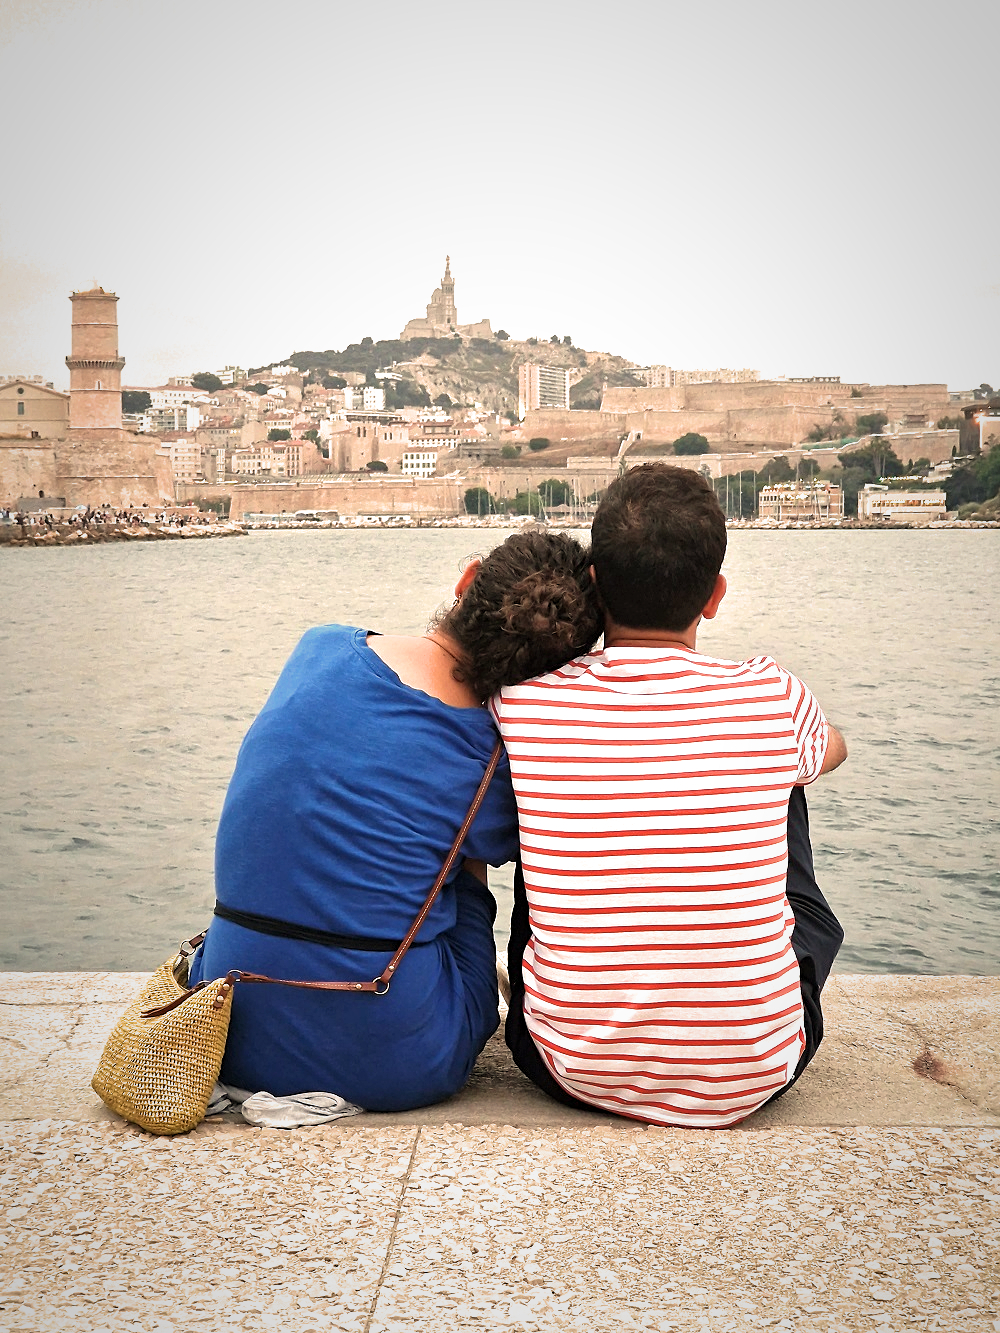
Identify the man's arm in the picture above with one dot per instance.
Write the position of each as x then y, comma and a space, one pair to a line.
836, 750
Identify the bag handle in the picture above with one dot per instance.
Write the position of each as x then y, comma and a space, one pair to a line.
380, 984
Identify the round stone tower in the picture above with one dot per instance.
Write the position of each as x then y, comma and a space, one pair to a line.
95, 368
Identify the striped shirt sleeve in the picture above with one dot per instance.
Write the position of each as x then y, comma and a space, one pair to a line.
812, 731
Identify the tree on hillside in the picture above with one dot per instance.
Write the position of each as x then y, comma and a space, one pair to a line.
526, 502
851, 480
275, 433
501, 335
366, 342
443, 400
510, 451
807, 469
479, 501
555, 491
976, 481
538, 443
567, 340
257, 388
878, 459
691, 443
872, 423
312, 435
405, 393
206, 380
334, 382
775, 473
136, 400
376, 465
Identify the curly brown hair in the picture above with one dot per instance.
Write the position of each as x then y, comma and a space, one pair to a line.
531, 607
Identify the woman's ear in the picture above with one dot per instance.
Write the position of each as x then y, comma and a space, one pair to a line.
468, 574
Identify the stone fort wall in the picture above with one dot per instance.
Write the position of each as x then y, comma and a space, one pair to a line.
413, 496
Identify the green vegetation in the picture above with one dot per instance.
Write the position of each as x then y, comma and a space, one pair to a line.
555, 491
136, 400
257, 388
872, 423
975, 481
479, 501
405, 393
525, 502
691, 443
538, 443
501, 335
510, 451
312, 435
950, 423
376, 465
836, 430
206, 380
277, 434
445, 401
865, 465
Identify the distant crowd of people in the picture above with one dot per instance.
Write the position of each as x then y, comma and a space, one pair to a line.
102, 517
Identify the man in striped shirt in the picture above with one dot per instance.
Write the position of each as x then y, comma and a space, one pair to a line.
669, 941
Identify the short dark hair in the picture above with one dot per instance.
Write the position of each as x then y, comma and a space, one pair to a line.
531, 607
658, 542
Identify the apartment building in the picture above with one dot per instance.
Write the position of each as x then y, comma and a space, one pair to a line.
541, 386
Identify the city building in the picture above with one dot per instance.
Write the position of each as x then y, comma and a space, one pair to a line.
32, 408
879, 501
160, 419
372, 399
792, 502
541, 386
419, 462
185, 456
667, 377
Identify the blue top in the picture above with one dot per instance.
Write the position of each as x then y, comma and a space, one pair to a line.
348, 791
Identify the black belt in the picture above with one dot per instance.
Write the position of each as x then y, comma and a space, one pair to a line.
288, 930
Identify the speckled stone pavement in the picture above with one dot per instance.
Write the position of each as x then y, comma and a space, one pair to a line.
867, 1198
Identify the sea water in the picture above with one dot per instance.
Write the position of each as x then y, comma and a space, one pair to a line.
131, 673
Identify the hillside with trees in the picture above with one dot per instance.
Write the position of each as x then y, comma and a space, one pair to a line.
466, 370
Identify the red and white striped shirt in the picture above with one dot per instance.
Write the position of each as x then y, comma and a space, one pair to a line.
652, 790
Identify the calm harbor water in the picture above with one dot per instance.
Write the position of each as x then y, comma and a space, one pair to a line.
131, 674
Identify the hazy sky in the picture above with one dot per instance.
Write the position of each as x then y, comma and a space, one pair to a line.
803, 189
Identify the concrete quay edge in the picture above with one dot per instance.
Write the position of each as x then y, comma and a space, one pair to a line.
867, 1198
899, 1050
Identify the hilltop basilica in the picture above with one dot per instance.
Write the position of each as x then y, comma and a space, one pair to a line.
442, 316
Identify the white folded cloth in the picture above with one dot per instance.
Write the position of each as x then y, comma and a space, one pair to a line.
304, 1108
260, 1108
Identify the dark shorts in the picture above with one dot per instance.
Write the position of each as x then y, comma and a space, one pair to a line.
816, 940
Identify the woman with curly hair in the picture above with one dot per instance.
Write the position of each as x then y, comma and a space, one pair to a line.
349, 789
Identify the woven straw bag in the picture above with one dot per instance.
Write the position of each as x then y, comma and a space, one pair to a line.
159, 1071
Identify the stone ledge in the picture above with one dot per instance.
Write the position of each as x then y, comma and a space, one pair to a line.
899, 1051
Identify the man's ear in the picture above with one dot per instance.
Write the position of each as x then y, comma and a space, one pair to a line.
597, 590
715, 601
468, 574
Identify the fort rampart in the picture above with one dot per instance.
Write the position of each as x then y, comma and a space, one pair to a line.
416, 497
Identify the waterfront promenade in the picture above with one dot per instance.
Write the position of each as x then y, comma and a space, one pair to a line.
867, 1198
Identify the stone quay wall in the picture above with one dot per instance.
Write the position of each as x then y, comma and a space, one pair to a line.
413, 496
